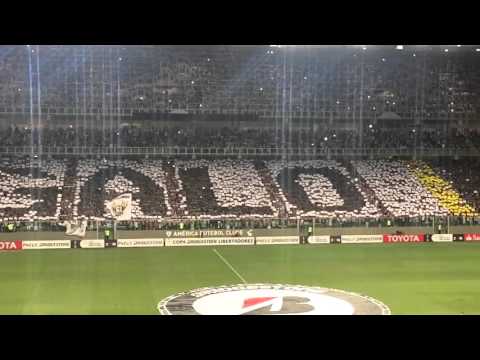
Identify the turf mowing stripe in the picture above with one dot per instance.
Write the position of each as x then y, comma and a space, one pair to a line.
229, 265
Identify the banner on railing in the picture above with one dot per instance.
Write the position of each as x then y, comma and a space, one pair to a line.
210, 241
74, 228
442, 237
403, 238
88, 244
11, 245
277, 240
472, 237
458, 237
361, 239
208, 233
110, 244
132, 243
46, 244
319, 239
335, 239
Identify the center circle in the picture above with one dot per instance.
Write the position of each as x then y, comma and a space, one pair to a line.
270, 299
241, 302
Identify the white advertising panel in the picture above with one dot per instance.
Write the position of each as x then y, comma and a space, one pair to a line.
210, 241
132, 243
46, 244
442, 237
274, 240
361, 239
319, 239
92, 244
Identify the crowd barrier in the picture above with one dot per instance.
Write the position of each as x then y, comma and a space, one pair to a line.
232, 241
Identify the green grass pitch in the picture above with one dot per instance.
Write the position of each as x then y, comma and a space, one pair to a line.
429, 278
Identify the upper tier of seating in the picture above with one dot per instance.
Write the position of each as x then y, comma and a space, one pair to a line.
319, 82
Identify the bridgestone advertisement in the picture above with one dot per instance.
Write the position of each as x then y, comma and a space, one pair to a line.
209, 241
403, 238
46, 244
320, 239
277, 240
472, 237
11, 245
135, 243
442, 237
361, 239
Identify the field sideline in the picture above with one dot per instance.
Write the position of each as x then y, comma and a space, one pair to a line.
420, 278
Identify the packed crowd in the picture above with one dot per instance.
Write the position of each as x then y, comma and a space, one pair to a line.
242, 79
31, 190
441, 186
223, 187
228, 137
398, 189
100, 182
409, 139
323, 189
319, 190
238, 189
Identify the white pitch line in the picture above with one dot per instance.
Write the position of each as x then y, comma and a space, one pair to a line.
229, 265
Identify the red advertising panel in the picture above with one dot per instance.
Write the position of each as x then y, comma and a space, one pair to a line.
472, 237
403, 238
11, 245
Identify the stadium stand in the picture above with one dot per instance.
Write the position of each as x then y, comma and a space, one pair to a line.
223, 137
463, 175
237, 189
302, 183
101, 181
31, 191
398, 189
228, 80
443, 191
229, 97
223, 188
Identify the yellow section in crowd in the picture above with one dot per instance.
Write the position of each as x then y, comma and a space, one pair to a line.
442, 190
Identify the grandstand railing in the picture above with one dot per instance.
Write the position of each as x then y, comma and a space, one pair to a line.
271, 223
194, 152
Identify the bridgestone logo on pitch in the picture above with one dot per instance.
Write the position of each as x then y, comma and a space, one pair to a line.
268, 299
